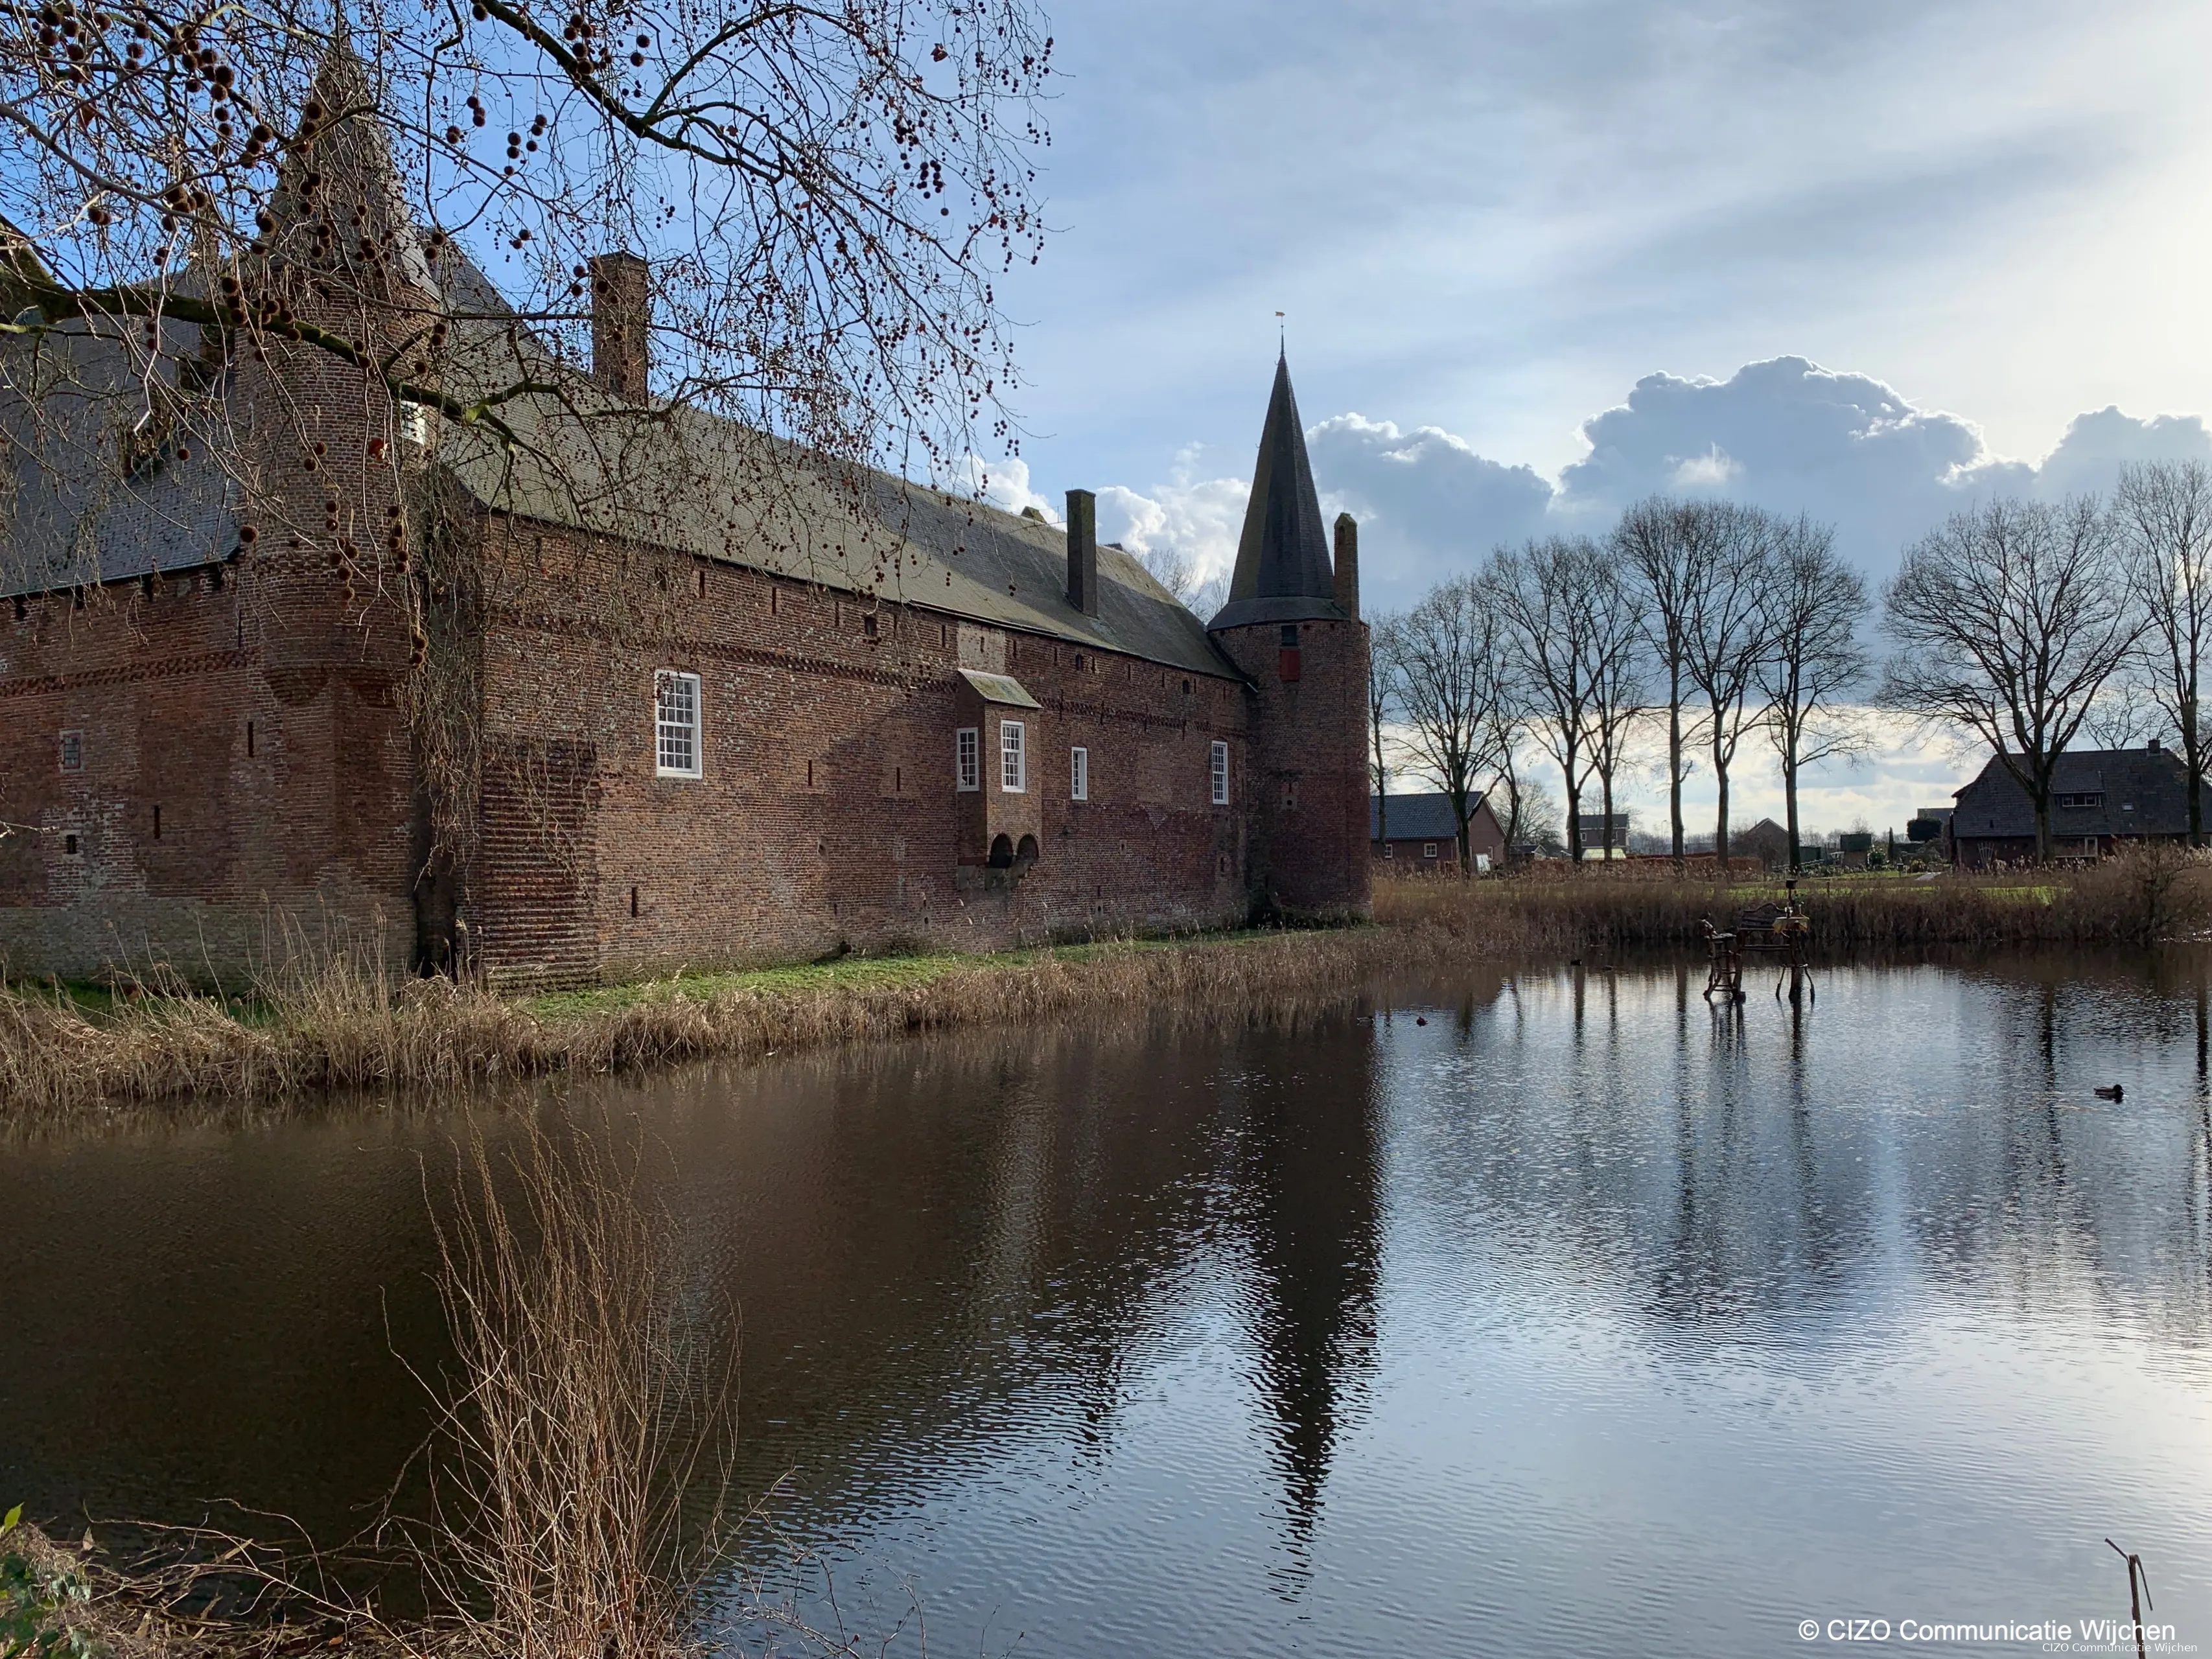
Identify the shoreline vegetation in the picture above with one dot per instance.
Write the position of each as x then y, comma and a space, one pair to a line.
323, 1021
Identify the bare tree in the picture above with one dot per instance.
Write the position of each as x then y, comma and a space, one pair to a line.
2164, 516
1383, 704
1674, 547
1442, 650
405, 206
1814, 605
1723, 640
1508, 701
1620, 688
2009, 620
1549, 596
1175, 571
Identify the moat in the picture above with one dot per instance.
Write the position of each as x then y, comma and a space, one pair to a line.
1554, 1312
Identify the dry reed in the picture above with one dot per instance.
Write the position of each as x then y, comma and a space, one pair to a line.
592, 1397
325, 1021
2158, 894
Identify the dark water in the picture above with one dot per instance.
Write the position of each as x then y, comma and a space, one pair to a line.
1581, 1319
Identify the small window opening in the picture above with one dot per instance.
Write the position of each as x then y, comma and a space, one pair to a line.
700, 576
146, 587
1389, 852
898, 780
1186, 687
943, 636
249, 740
69, 845
967, 761
157, 821
1290, 635
1289, 792
676, 736
76, 598
1078, 773
774, 599
868, 624
215, 579
1221, 775
72, 751
633, 902
810, 774
22, 608
1428, 849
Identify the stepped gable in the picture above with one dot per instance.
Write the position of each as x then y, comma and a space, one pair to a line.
1283, 569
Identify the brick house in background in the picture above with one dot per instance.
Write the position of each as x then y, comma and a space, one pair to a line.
2100, 800
1423, 833
692, 699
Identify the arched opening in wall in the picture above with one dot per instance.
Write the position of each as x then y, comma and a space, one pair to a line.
1002, 852
1026, 853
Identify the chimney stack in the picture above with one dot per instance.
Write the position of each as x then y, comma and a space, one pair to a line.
622, 325
1083, 551
1347, 565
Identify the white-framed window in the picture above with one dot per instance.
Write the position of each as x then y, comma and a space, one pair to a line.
1389, 852
1014, 758
1221, 775
1078, 774
1428, 849
677, 747
967, 765
72, 751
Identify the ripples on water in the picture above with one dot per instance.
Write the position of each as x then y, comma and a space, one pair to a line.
1581, 1318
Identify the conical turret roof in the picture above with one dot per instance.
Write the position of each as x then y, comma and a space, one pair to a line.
1283, 572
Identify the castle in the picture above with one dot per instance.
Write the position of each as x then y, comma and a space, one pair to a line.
594, 702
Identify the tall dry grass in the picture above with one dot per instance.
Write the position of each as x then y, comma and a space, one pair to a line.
2150, 895
325, 1021
336, 1025
579, 1471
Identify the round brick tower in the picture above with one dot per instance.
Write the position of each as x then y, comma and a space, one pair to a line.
1292, 625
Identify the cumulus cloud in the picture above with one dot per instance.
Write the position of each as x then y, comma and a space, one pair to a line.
1786, 434
1191, 520
1790, 435
1006, 484
1428, 505
1848, 448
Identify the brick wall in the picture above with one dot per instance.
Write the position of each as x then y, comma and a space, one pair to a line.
1307, 765
298, 829
826, 816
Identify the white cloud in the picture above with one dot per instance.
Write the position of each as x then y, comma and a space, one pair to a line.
1006, 484
1714, 470
1188, 518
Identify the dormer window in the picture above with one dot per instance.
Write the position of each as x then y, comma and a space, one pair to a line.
2083, 799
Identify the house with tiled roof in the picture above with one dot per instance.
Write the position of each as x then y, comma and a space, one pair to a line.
2101, 799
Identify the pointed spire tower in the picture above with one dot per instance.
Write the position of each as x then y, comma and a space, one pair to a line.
1283, 571
1292, 629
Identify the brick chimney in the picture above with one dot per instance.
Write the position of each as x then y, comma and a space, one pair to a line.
622, 325
1083, 551
1348, 564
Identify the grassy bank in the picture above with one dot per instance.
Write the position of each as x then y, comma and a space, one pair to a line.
327, 1023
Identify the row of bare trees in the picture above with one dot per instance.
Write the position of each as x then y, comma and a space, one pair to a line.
2022, 623
2029, 624
1717, 619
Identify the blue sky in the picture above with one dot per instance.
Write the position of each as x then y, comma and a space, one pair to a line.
1537, 258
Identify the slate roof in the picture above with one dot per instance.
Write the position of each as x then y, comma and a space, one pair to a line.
1283, 569
1417, 817
680, 477
690, 480
2145, 792
70, 516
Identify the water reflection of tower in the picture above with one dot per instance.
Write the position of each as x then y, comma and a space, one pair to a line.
1308, 1171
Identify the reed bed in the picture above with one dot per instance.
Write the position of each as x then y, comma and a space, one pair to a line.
2147, 897
331, 1023
326, 1022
